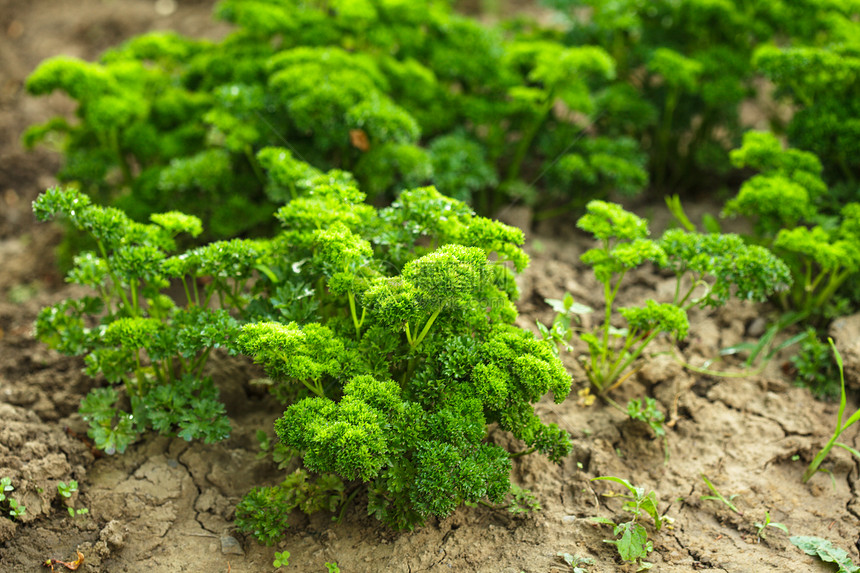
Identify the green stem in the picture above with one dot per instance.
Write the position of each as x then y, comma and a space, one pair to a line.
105, 298
355, 320
347, 503
618, 368
249, 154
820, 457
209, 292
609, 293
527, 138
523, 453
134, 303
664, 137
138, 373
679, 276
426, 328
409, 336
187, 291
117, 285
316, 387
834, 282
199, 363
120, 158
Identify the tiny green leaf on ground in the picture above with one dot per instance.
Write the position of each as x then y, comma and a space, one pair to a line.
826, 551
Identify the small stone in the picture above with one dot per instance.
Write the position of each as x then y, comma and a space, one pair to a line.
230, 546
568, 519
113, 535
757, 327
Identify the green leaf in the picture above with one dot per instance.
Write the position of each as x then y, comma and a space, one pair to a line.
633, 544
825, 551
649, 504
633, 489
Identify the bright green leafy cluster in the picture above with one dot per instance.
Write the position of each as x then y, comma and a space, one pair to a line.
8, 504
265, 511
786, 201
821, 79
387, 333
815, 367
410, 353
685, 67
371, 88
131, 333
709, 269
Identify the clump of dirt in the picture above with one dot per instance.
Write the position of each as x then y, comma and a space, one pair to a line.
167, 505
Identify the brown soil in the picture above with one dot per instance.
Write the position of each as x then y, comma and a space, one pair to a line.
167, 505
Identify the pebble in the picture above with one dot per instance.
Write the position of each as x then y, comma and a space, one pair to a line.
757, 327
229, 546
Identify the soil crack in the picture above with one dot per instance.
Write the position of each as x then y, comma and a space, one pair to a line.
196, 497
694, 555
746, 412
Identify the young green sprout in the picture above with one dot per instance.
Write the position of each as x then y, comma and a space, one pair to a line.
819, 458
632, 538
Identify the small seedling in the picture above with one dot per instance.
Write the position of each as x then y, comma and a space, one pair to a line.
575, 562
332, 567
15, 509
282, 559
67, 490
5, 486
519, 501
825, 551
646, 411
719, 497
760, 533
840, 427
632, 538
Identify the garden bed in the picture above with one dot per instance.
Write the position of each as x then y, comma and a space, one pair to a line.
167, 504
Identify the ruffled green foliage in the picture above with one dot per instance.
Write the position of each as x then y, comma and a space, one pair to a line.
709, 270
265, 511
787, 201
684, 67
410, 351
783, 194
820, 78
373, 88
387, 333
134, 335
141, 128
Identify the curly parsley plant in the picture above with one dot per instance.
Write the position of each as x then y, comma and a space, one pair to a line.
709, 269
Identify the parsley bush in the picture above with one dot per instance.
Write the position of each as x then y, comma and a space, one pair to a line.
388, 334
133, 334
709, 270
372, 87
787, 202
684, 67
402, 349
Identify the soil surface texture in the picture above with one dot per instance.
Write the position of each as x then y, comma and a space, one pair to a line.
167, 505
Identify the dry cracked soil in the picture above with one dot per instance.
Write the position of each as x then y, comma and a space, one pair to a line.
167, 505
